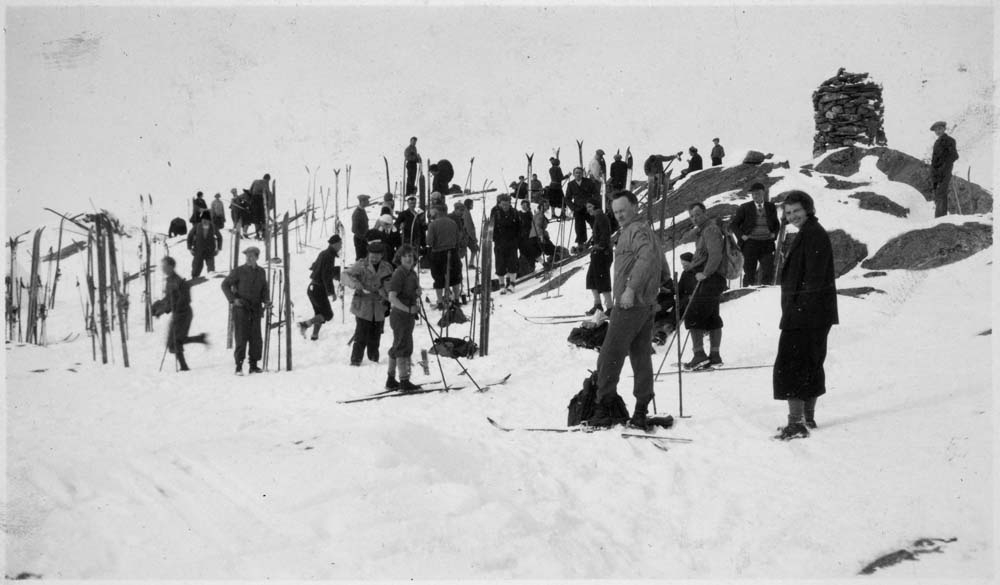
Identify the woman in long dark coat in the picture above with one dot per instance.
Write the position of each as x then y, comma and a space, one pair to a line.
808, 310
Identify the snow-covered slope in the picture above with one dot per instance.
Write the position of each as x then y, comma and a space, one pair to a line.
136, 473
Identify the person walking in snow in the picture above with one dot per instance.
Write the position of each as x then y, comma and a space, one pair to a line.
404, 303
718, 153
204, 242
411, 158
601, 258
359, 227
177, 302
368, 278
321, 291
446, 268
506, 231
703, 311
942, 160
639, 267
554, 192
578, 192
756, 225
218, 210
808, 311
246, 290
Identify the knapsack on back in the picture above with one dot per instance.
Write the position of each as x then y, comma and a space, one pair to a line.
582, 405
178, 227
732, 257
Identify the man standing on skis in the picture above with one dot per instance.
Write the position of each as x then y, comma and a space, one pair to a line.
506, 231
412, 158
808, 311
618, 175
554, 192
703, 309
321, 289
246, 290
944, 157
446, 267
639, 266
177, 301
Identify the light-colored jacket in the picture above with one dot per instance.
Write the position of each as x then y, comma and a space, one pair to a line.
594, 170
363, 276
639, 263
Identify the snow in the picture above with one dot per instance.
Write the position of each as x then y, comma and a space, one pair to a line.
141, 474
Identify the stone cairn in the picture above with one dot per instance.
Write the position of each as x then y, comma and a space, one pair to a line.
849, 111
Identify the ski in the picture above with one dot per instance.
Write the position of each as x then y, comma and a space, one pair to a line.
717, 369
425, 390
659, 421
287, 294
543, 317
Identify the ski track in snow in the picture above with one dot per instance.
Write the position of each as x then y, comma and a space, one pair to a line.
135, 473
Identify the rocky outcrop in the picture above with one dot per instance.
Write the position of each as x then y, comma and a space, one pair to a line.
932, 247
848, 110
875, 202
903, 168
840, 184
847, 252
859, 292
713, 181
683, 233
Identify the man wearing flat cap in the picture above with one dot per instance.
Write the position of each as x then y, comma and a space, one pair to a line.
246, 290
943, 159
359, 227
321, 288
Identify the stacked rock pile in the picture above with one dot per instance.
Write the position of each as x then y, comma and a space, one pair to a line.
849, 111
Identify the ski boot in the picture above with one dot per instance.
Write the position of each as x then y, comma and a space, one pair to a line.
254, 369
698, 361
303, 327
408, 386
594, 309
239, 368
714, 359
792, 431
391, 383
639, 418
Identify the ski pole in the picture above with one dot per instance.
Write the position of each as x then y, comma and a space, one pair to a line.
465, 371
430, 333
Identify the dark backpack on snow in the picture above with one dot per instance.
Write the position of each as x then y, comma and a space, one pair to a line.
454, 347
582, 406
588, 337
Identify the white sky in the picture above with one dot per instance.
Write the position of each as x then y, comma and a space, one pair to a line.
226, 93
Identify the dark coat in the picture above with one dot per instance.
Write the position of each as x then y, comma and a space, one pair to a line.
602, 232
324, 271
556, 176
412, 227
746, 219
390, 240
808, 287
694, 163
248, 284
204, 244
944, 157
443, 176
619, 174
579, 195
506, 226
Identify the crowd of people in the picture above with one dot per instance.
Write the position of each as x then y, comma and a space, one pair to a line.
631, 282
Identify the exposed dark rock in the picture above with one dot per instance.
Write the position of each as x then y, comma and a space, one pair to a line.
860, 291
844, 162
847, 252
932, 247
835, 183
987, 332
875, 202
874, 274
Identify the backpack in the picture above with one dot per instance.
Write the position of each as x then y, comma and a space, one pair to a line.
178, 227
588, 337
582, 405
732, 257
454, 347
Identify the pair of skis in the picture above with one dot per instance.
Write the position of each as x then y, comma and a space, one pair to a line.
665, 422
425, 390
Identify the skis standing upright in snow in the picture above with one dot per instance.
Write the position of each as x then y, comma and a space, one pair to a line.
34, 281
286, 267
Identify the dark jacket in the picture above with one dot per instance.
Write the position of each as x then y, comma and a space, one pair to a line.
808, 287
260, 191
556, 176
325, 271
685, 288
718, 152
249, 284
410, 155
442, 234
526, 221
506, 226
389, 239
580, 194
944, 157
411, 226
359, 222
602, 232
619, 173
745, 219
176, 295
442, 178
204, 242
694, 163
